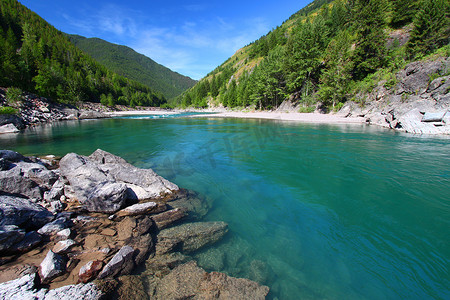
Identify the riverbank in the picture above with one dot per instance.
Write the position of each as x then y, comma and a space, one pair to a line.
79, 226
288, 116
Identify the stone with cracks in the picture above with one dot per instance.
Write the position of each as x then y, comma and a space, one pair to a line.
122, 263
89, 271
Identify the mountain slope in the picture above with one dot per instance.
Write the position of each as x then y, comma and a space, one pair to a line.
326, 54
127, 62
36, 57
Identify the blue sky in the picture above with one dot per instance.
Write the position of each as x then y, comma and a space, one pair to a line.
191, 38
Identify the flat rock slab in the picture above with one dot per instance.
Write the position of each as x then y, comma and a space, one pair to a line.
141, 209
188, 281
190, 237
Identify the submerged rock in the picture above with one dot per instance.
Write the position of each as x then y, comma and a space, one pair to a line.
188, 281
167, 218
190, 237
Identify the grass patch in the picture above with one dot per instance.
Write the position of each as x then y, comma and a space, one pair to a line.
8, 110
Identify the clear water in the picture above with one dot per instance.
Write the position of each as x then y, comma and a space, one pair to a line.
315, 211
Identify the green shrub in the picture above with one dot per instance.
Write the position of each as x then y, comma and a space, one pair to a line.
306, 109
7, 110
14, 96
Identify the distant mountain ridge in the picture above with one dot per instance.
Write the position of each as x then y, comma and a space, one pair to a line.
127, 62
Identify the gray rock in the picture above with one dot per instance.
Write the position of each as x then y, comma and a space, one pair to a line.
8, 128
190, 237
55, 192
188, 281
91, 114
30, 240
52, 266
55, 226
13, 182
433, 117
10, 235
80, 292
22, 288
22, 212
92, 187
38, 173
12, 156
12, 119
143, 183
122, 263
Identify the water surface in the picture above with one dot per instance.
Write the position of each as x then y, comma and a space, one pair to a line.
315, 211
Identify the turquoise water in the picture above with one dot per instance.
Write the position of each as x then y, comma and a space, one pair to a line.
315, 211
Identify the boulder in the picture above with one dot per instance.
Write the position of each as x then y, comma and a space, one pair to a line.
29, 241
52, 266
10, 235
64, 234
55, 226
190, 237
188, 281
122, 263
22, 212
8, 128
93, 188
13, 182
143, 183
167, 218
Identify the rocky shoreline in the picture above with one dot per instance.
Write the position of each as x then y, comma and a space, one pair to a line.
95, 227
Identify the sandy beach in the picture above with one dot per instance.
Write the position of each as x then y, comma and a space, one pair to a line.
289, 116
282, 116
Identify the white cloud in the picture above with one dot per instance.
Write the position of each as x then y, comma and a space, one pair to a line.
190, 47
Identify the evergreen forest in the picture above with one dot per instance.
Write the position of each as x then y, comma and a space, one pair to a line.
326, 54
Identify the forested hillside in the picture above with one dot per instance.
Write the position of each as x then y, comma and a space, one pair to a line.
127, 62
327, 53
36, 57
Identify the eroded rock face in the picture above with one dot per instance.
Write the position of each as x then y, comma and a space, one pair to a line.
406, 106
188, 281
190, 237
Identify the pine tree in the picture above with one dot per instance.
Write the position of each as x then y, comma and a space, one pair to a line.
370, 50
431, 27
403, 12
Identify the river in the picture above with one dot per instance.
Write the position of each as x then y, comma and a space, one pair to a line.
314, 211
